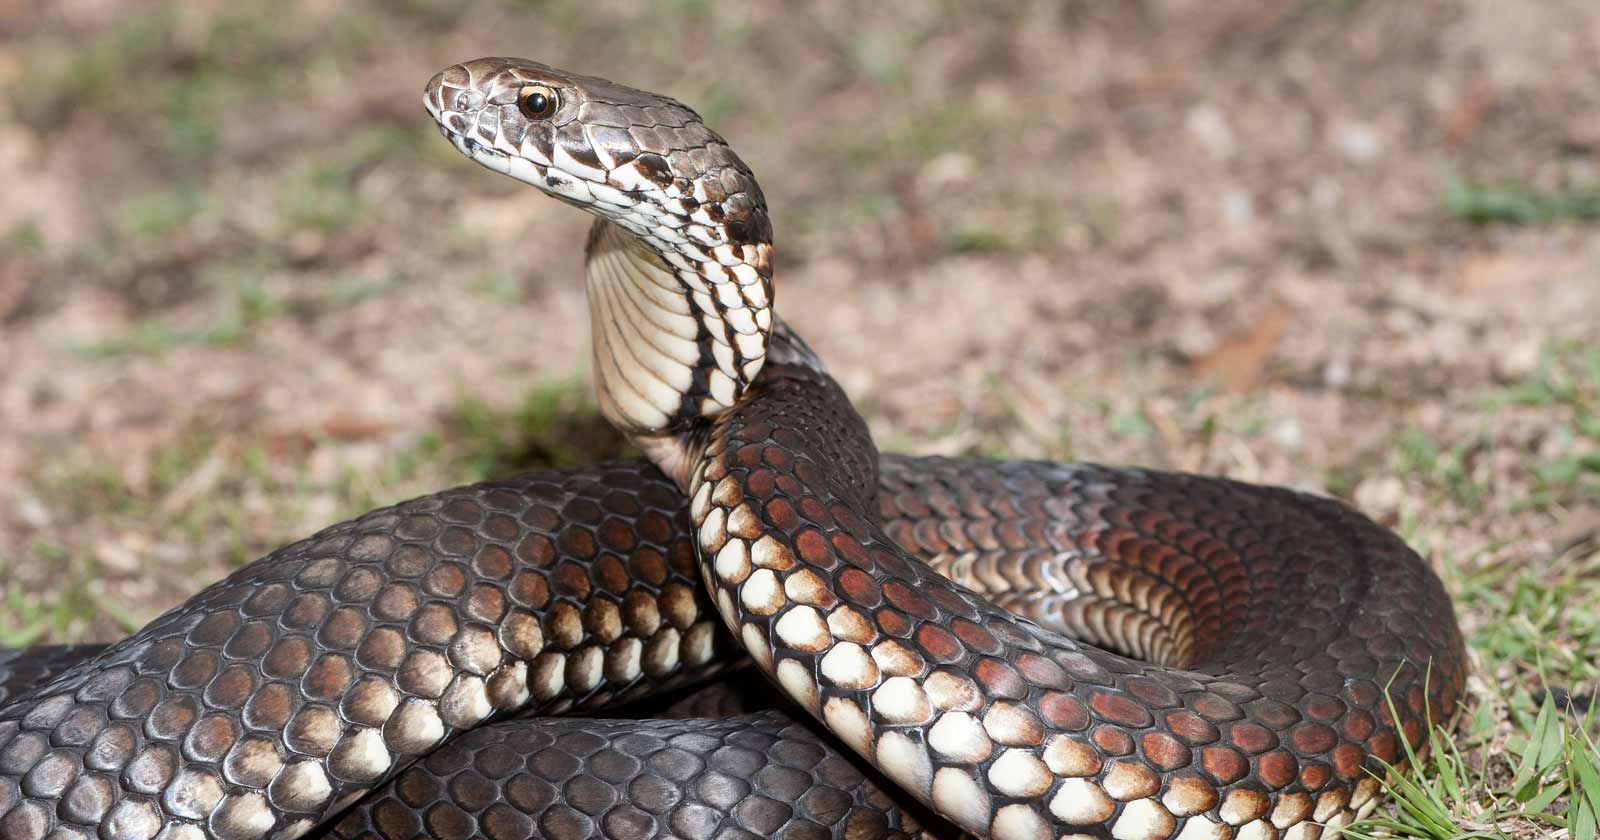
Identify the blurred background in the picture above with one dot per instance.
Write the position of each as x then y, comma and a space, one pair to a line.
246, 289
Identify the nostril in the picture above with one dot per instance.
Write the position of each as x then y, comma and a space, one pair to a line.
432, 87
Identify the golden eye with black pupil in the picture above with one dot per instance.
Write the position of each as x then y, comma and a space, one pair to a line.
537, 101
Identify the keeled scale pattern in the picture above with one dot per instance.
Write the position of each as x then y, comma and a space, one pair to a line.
1293, 613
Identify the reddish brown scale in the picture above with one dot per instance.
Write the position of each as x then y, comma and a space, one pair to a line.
1120, 710
893, 623
857, 587
851, 552
1064, 711
1000, 679
937, 643
1347, 761
1112, 740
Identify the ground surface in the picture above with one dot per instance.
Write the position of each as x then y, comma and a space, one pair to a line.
246, 290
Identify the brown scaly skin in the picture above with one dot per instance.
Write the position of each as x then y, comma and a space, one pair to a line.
583, 532
277, 696
1040, 526
576, 777
575, 551
747, 777
1289, 616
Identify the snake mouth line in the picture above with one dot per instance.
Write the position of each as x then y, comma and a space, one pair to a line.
470, 146
484, 154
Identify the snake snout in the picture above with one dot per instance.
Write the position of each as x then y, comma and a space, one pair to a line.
430, 91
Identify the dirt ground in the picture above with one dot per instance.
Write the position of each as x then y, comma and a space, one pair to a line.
246, 289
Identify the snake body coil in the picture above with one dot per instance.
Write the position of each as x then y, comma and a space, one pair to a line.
919, 609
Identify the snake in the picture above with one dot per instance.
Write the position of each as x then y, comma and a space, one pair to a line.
1010, 649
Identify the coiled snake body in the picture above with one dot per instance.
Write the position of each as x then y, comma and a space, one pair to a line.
915, 608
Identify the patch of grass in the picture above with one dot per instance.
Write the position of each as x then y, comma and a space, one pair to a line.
952, 124
1442, 795
323, 194
1018, 223
1565, 469
1566, 386
170, 74
879, 53
216, 500
242, 300
56, 83
556, 425
976, 241
1517, 766
837, 213
1517, 204
499, 286
347, 289
1331, 7
81, 489
149, 337
1538, 634
157, 215
320, 197
1450, 469
22, 238
721, 103
67, 613
1132, 423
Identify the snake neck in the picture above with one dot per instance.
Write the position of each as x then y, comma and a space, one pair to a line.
679, 333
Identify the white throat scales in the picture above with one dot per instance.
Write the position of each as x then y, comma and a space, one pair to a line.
668, 345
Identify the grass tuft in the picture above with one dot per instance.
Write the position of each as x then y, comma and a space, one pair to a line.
1516, 204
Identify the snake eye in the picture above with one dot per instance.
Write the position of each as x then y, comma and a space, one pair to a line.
537, 101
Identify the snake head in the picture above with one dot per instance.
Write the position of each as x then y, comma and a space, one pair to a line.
679, 268
640, 159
